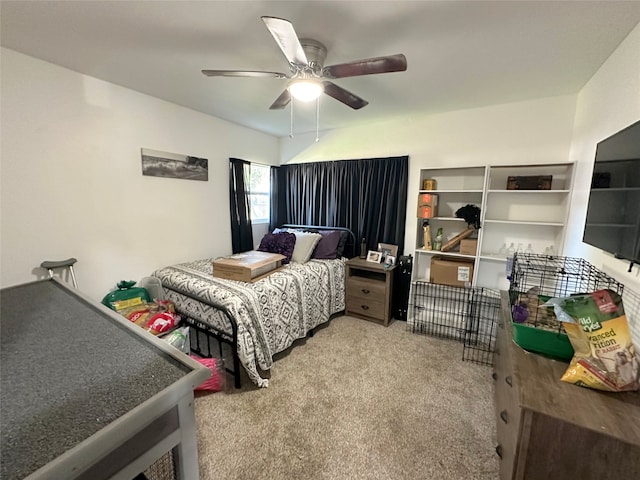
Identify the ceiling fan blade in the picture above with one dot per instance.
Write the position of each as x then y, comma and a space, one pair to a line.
282, 101
392, 63
344, 96
241, 73
287, 39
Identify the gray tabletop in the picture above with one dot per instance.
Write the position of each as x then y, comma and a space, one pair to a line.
68, 369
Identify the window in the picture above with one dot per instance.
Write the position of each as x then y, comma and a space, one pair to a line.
259, 193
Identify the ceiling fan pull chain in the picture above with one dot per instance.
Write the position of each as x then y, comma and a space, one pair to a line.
291, 120
317, 118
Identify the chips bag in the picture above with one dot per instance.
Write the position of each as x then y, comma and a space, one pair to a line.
604, 358
157, 318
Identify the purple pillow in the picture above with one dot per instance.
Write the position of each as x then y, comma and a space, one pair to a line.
327, 247
281, 243
344, 237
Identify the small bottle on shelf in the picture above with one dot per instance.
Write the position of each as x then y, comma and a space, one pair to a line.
529, 250
363, 248
503, 250
426, 235
437, 243
511, 250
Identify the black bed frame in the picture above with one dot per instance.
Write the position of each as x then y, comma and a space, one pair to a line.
205, 334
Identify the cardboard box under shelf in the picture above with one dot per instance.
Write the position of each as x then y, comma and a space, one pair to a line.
247, 266
456, 272
468, 246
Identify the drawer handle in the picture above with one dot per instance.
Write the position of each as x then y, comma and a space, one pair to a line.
494, 375
365, 290
504, 417
365, 307
508, 380
499, 450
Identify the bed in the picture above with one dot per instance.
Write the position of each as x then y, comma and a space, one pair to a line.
251, 322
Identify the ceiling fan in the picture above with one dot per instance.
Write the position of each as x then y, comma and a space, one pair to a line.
309, 78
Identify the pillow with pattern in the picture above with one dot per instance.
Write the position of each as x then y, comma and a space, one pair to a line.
282, 243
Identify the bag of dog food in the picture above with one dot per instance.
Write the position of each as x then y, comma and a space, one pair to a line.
604, 358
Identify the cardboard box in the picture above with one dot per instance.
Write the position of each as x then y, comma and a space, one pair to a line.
427, 205
469, 246
430, 199
454, 272
534, 182
427, 211
429, 184
247, 266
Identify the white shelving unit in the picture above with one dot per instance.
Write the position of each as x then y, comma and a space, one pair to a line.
521, 217
455, 187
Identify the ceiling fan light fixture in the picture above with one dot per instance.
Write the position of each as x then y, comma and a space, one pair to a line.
305, 90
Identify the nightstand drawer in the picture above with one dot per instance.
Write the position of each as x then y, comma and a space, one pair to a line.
367, 307
365, 288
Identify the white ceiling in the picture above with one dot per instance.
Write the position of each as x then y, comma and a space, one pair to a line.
460, 54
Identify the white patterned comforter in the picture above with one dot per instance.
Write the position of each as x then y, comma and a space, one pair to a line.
270, 313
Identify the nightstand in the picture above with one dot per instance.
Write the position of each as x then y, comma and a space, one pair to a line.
369, 290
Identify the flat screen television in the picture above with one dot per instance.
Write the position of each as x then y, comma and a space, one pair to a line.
613, 214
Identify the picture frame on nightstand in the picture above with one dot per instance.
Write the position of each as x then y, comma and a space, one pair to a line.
374, 256
387, 249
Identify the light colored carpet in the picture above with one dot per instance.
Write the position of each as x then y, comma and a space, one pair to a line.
355, 401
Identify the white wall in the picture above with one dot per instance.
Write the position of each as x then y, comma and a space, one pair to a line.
537, 131
608, 103
72, 182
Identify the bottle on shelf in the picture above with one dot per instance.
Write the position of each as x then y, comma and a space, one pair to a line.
511, 250
520, 248
437, 243
363, 248
529, 250
503, 250
426, 234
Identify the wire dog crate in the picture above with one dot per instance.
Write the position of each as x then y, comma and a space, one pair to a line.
467, 315
536, 278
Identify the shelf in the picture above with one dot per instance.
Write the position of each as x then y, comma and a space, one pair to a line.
493, 258
449, 191
422, 251
529, 192
535, 218
616, 189
611, 225
523, 222
447, 219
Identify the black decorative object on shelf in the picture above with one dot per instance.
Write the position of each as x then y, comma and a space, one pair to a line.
470, 214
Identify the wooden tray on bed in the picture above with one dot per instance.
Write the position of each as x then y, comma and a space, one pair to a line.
247, 266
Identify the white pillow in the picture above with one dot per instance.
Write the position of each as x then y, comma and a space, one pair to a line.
305, 244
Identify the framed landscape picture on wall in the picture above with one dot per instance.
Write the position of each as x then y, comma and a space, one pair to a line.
173, 165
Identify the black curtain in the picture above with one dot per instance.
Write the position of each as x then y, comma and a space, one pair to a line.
241, 231
368, 196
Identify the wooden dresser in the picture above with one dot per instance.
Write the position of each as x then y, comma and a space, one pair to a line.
552, 430
369, 290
